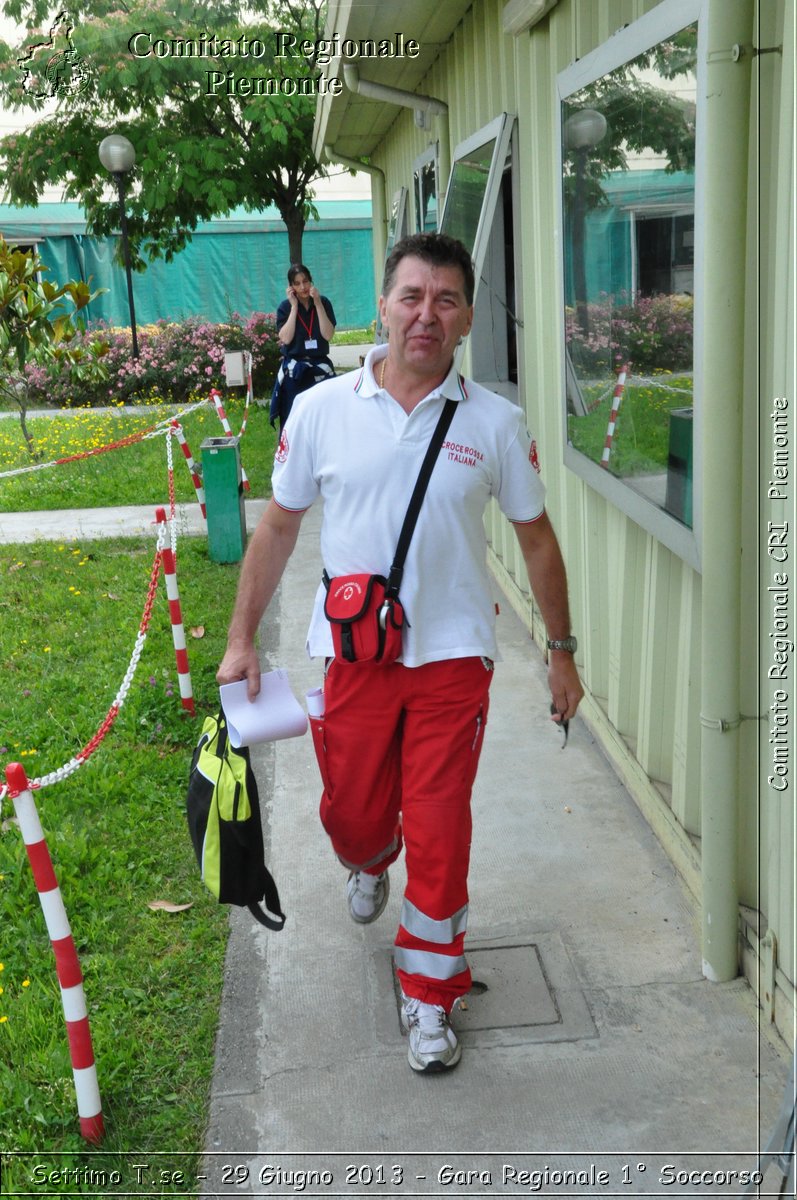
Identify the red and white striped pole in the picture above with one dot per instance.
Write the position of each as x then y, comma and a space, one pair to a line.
67, 965
225, 424
616, 402
176, 618
196, 478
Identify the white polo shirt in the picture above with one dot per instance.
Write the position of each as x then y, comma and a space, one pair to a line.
351, 443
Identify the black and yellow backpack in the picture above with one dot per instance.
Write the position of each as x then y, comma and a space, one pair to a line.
223, 809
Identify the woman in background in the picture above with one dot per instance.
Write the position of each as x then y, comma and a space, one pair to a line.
305, 326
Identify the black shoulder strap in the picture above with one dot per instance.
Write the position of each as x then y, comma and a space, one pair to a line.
414, 508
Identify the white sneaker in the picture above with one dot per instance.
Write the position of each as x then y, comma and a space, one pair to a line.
367, 896
433, 1043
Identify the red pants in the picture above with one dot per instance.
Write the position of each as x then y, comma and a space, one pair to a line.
400, 750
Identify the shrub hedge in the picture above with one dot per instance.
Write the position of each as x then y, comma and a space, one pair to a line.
655, 333
175, 359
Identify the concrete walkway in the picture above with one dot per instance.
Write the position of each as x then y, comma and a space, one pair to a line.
597, 1046
70, 524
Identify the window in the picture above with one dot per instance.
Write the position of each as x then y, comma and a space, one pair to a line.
425, 182
493, 340
474, 188
398, 227
478, 210
630, 183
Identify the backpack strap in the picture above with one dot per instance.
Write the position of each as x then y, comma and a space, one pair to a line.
272, 899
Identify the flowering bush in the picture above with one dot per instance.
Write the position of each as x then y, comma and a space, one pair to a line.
654, 334
175, 359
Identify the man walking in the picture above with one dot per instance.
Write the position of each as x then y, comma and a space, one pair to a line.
402, 740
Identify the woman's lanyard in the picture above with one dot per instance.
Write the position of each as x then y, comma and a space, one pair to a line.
308, 329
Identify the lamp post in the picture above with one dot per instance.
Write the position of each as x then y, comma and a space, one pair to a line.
583, 130
118, 156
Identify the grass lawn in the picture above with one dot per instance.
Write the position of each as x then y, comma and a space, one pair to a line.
134, 474
640, 445
116, 829
352, 337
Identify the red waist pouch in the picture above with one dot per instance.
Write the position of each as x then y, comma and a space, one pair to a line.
366, 622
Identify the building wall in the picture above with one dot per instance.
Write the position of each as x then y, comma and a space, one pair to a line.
638, 608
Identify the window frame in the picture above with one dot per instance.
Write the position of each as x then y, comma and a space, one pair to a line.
661, 22
489, 339
430, 155
396, 230
500, 130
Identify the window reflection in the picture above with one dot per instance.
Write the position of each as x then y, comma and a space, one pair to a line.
628, 152
426, 197
397, 225
466, 193
396, 230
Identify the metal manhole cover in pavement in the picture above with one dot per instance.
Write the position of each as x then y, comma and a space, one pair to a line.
514, 991
522, 992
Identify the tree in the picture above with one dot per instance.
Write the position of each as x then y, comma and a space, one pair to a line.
640, 115
38, 327
219, 108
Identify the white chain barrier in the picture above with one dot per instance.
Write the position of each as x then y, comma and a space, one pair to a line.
83, 755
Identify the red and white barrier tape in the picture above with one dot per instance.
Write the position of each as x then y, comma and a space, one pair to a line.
153, 431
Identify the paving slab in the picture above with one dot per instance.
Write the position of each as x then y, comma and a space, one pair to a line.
598, 1046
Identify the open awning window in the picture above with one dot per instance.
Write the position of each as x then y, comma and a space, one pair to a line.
474, 187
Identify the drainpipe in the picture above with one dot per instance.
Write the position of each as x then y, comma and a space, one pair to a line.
424, 107
727, 85
391, 95
378, 207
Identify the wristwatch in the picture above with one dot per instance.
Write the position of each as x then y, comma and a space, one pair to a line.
569, 644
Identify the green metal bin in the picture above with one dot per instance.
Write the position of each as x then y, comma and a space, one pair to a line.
222, 480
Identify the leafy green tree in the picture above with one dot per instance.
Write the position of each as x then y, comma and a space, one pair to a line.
208, 137
639, 115
37, 326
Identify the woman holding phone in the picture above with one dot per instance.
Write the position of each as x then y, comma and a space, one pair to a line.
305, 326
